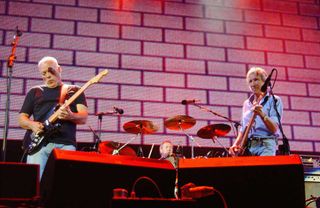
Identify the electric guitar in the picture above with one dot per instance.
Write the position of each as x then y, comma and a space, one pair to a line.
50, 127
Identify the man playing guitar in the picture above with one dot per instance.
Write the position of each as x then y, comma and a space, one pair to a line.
260, 126
40, 102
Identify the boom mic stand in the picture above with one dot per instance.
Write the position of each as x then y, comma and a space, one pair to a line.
235, 123
176, 183
97, 138
285, 147
10, 63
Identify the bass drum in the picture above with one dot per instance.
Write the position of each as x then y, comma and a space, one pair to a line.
109, 147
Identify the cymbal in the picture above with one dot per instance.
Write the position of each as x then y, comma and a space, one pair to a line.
180, 122
210, 131
109, 146
140, 126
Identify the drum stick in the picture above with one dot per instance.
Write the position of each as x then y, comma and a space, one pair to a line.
151, 151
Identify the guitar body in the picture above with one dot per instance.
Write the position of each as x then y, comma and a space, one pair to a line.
38, 140
36, 143
244, 151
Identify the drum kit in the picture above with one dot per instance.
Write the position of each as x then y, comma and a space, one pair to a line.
176, 123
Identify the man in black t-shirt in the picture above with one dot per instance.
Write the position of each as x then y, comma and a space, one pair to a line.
40, 103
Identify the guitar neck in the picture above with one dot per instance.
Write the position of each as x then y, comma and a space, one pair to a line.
95, 79
68, 102
247, 130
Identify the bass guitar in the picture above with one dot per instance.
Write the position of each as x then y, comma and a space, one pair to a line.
50, 127
244, 139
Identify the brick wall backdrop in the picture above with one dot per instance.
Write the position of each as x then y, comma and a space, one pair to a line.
160, 52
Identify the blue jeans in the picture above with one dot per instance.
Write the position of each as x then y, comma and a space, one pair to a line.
41, 157
265, 147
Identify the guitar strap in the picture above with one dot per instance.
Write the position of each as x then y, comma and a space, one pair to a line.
265, 100
63, 93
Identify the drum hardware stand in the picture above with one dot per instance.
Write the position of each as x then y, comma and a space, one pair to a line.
140, 152
190, 138
116, 151
215, 138
179, 151
236, 124
138, 127
180, 123
10, 63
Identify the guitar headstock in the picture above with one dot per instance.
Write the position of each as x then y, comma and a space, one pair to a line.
99, 76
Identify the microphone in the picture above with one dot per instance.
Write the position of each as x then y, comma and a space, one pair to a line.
115, 110
186, 102
18, 32
267, 82
118, 110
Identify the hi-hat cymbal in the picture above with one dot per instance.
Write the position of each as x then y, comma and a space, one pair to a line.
109, 146
210, 131
180, 122
140, 126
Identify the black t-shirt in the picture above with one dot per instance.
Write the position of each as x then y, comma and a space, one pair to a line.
40, 103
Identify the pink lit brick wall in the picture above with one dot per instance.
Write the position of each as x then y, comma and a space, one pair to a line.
160, 52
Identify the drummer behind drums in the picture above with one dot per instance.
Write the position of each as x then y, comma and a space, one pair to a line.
166, 152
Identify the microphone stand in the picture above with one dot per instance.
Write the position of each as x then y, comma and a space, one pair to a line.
176, 183
97, 139
10, 63
285, 147
235, 123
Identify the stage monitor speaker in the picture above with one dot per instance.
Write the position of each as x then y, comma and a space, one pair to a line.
87, 179
312, 185
152, 202
250, 182
19, 181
